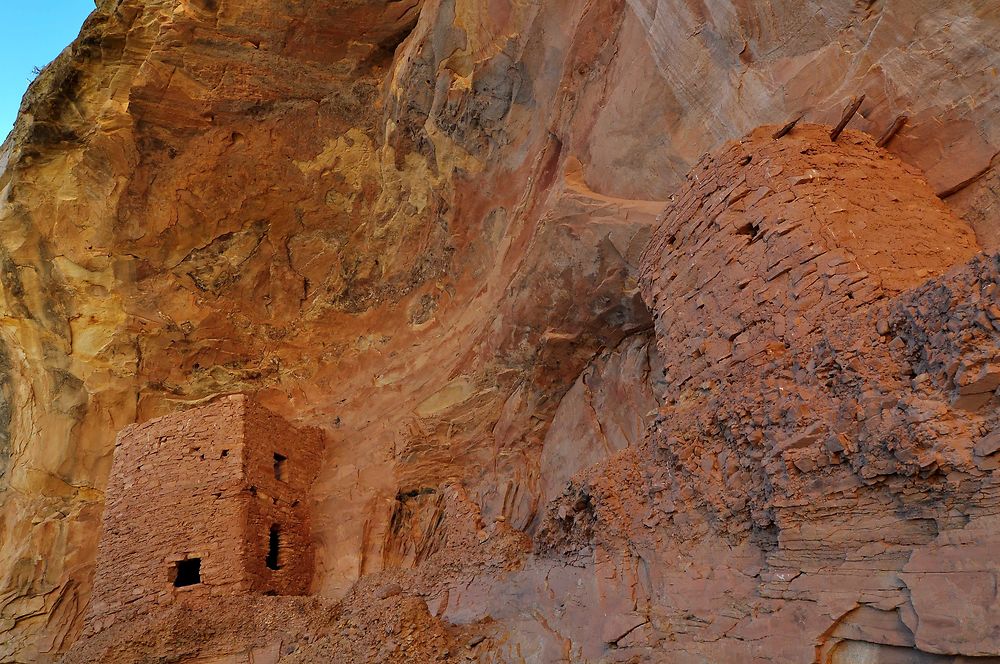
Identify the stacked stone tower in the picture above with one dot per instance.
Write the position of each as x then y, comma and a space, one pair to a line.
209, 501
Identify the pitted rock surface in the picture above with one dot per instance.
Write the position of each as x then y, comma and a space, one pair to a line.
417, 226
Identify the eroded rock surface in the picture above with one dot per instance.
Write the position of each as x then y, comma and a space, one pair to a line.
418, 226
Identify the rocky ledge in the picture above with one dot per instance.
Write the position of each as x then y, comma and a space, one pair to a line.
609, 367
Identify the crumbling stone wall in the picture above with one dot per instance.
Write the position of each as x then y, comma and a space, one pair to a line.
202, 485
769, 280
770, 239
278, 502
830, 340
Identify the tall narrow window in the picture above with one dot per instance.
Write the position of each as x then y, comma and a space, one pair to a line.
274, 547
279, 466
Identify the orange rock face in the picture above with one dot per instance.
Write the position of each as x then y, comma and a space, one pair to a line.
822, 464
419, 226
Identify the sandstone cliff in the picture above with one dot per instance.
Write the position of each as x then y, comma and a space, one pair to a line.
581, 404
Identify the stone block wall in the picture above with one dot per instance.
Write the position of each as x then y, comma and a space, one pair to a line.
770, 239
279, 502
201, 485
830, 339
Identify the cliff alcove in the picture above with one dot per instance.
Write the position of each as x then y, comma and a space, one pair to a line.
604, 370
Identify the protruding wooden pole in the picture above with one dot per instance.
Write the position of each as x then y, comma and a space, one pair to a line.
891, 132
787, 128
849, 112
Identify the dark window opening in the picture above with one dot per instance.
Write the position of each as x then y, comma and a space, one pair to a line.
274, 547
187, 572
279, 466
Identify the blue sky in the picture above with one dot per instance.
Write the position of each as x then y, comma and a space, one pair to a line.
32, 34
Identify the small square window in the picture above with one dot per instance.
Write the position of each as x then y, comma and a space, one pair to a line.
187, 572
279, 466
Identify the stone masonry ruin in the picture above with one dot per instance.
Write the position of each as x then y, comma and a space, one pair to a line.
638, 331
209, 501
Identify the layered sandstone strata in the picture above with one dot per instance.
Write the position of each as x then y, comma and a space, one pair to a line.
823, 490
416, 225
